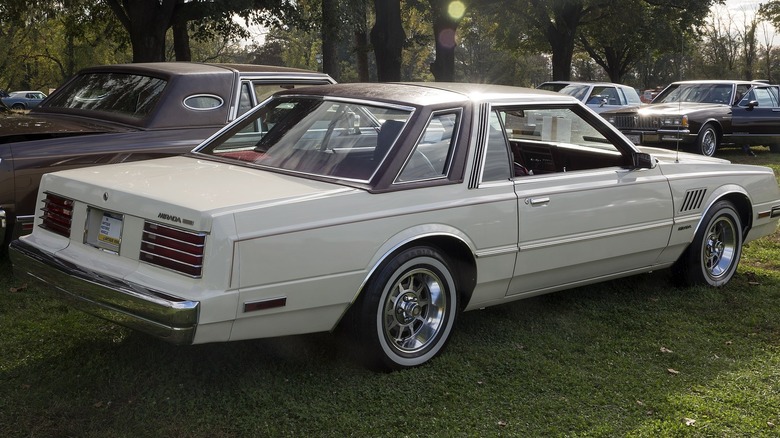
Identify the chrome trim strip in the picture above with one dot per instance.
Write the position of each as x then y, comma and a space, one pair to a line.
596, 235
158, 314
497, 251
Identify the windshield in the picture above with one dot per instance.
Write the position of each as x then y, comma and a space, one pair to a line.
702, 93
130, 95
580, 92
310, 135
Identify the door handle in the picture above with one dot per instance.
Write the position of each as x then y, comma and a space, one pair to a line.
534, 202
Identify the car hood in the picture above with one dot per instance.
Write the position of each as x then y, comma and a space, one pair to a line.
50, 124
184, 191
672, 156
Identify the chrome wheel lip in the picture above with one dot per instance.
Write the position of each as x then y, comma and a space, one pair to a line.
719, 248
414, 311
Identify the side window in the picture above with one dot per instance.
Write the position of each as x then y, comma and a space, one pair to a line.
608, 95
631, 96
741, 90
496, 163
264, 90
553, 140
430, 158
245, 100
764, 96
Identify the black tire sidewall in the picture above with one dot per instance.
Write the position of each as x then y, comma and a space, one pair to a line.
697, 273
370, 317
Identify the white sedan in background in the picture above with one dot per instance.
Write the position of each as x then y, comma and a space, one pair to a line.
385, 209
603, 96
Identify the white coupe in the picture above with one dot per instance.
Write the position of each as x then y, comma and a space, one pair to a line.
385, 209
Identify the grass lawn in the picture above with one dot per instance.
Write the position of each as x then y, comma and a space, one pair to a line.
633, 357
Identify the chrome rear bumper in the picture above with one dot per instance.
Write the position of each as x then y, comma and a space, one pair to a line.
152, 312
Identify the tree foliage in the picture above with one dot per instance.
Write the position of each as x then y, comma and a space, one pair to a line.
42, 44
520, 42
148, 21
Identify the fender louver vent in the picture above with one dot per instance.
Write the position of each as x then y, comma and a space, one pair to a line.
693, 199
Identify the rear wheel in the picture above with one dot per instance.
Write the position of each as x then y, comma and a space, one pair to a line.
774, 148
707, 141
407, 310
713, 255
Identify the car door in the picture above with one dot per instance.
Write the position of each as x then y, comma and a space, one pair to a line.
756, 118
584, 212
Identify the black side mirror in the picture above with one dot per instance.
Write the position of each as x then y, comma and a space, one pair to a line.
752, 104
643, 161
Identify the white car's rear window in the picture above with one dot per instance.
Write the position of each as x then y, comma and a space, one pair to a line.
341, 139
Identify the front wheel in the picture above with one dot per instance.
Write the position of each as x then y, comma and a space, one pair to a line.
707, 141
713, 255
774, 148
407, 310
18, 106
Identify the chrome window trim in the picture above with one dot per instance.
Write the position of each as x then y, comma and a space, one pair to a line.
196, 96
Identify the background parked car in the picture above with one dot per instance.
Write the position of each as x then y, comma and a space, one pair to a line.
603, 96
115, 113
703, 115
22, 100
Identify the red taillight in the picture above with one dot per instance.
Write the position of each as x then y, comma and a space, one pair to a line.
172, 248
57, 214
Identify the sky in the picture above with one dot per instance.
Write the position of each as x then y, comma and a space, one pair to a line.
736, 9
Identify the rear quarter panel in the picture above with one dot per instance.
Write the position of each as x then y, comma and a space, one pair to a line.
318, 254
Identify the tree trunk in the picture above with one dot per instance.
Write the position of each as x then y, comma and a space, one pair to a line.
146, 21
181, 41
444, 28
560, 30
330, 38
562, 54
387, 37
362, 46
361, 53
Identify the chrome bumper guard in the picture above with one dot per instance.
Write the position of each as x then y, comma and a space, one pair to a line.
155, 313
